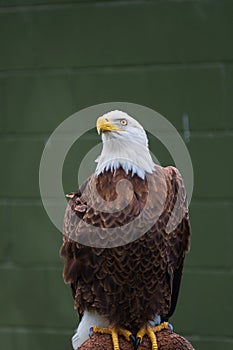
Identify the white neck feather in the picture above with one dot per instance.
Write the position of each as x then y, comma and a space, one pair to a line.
130, 155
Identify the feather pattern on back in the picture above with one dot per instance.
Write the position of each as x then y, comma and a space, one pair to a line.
134, 280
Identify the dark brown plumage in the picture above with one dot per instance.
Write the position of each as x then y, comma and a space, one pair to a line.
131, 282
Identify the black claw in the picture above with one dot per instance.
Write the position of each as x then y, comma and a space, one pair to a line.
90, 332
170, 327
132, 337
137, 343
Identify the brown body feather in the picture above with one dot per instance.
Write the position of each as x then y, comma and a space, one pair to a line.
132, 282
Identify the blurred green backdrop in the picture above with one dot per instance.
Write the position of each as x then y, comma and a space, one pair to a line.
57, 57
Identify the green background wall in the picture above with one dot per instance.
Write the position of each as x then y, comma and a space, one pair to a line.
58, 57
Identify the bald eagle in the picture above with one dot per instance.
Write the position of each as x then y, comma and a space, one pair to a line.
124, 249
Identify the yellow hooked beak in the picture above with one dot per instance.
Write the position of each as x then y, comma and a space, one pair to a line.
104, 124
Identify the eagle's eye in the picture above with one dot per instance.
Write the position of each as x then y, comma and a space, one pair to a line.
123, 122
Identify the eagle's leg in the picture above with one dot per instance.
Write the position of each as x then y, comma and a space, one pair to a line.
114, 333
151, 333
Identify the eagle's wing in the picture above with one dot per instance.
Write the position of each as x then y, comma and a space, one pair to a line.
179, 232
69, 251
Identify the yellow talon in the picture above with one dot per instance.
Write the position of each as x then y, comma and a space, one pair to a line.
115, 340
152, 337
150, 331
141, 333
147, 329
126, 334
114, 333
161, 326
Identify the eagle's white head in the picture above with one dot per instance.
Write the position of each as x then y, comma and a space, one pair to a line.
125, 144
